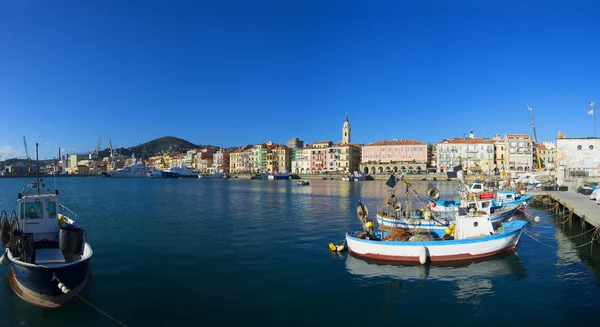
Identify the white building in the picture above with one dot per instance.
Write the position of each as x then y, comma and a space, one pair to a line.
577, 158
474, 154
301, 161
520, 152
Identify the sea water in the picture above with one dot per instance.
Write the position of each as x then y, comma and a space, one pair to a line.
212, 252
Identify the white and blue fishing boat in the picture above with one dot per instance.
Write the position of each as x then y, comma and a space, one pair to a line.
356, 177
437, 214
282, 175
437, 222
47, 250
473, 237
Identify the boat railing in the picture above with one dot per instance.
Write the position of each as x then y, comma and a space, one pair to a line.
69, 213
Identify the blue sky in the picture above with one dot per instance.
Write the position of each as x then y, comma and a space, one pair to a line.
230, 73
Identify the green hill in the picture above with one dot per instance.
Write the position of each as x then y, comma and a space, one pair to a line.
161, 145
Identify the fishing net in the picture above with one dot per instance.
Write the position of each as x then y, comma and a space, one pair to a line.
397, 235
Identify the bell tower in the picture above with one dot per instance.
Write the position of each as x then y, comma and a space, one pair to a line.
346, 132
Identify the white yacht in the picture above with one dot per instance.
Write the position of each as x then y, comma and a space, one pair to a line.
182, 171
135, 170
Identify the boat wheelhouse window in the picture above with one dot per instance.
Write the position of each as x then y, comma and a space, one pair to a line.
33, 210
52, 209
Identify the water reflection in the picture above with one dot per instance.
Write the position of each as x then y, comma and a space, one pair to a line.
472, 278
573, 247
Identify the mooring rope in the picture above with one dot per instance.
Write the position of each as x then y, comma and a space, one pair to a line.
68, 290
569, 217
594, 237
535, 239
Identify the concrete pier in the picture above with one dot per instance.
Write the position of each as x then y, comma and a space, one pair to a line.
576, 203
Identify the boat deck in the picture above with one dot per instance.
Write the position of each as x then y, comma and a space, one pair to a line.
49, 252
576, 203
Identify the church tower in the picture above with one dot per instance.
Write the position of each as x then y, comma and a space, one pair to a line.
346, 132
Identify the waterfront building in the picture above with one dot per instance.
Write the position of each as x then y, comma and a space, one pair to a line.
235, 161
578, 159
348, 159
547, 156
476, 155
431, 157
520, 152
393, 156
283, 155
301, 160
221, 160
500, 153
204, 159
246, 159
74, 159
189, 160
318, 156
259, 154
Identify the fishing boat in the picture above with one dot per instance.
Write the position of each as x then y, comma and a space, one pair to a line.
501, 197
356, 177
282, 175
472, 237
436, 215
302, 183
47, 250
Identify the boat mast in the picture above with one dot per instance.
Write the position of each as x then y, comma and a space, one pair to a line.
37, 163
537, 152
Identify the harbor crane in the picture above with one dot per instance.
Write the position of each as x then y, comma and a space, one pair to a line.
94, 158
27, 154
537, 152
111, 154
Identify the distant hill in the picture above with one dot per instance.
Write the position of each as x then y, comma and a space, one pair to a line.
161, 145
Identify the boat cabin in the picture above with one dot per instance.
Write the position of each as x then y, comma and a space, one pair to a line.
38, 215
473, 226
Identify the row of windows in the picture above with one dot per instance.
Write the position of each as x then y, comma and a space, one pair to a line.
376, 156
408, 149
591, 147
34, 210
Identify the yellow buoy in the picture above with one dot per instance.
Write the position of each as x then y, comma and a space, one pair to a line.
369, 225
332, 247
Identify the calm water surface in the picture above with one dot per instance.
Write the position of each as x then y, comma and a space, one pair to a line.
231, 252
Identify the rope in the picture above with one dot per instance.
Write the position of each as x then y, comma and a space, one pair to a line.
594, 238
568, 218
535, 239
102, 312
569, 237
90, 304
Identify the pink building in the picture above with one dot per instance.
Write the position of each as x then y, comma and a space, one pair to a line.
394, 155
319, 160
221, 161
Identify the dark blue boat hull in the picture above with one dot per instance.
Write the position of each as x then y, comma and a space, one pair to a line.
39, 280
168, 174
